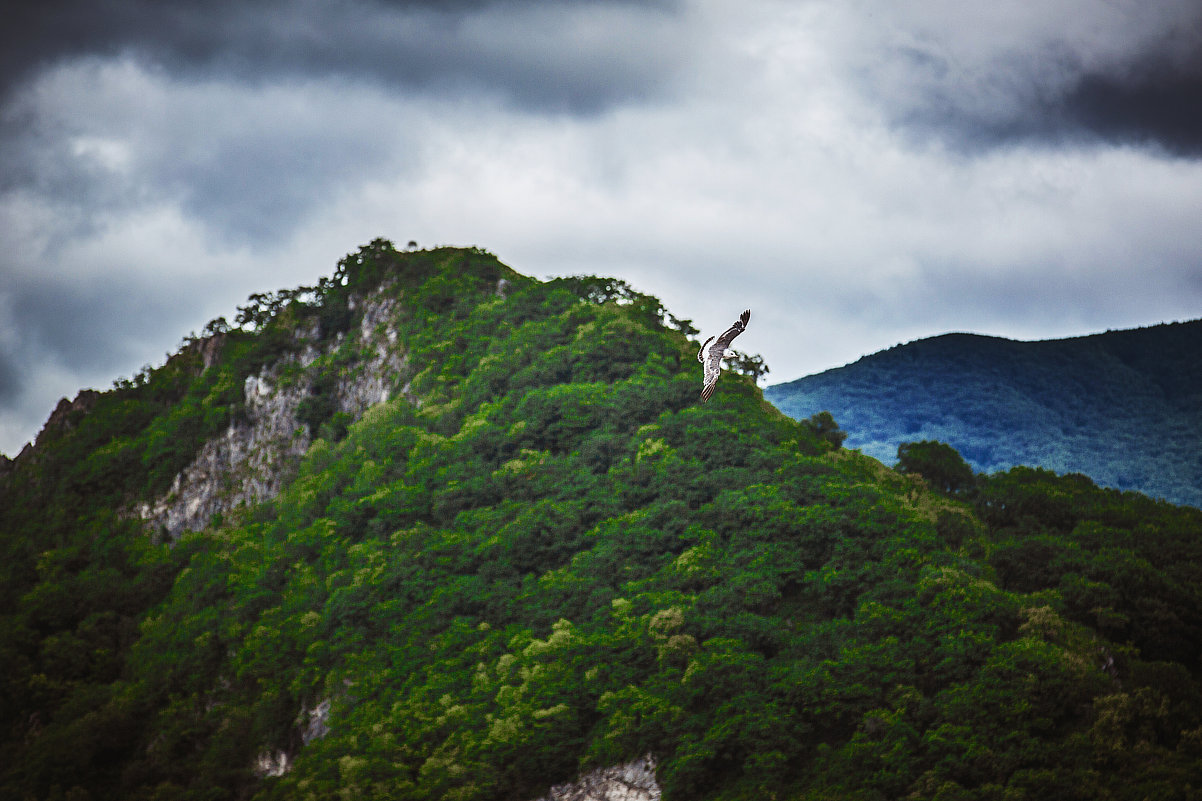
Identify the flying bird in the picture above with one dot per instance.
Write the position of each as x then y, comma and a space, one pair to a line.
711, 355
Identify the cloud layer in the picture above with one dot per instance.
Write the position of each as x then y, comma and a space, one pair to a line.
859, 174
576, 56
1071, 72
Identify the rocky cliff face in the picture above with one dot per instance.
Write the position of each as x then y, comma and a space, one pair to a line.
253, 459
633, 781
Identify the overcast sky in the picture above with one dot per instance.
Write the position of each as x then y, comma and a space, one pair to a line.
857, 173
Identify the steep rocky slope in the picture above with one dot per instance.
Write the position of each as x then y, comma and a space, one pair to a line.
254, 457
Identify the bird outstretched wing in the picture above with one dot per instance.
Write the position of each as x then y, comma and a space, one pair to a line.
711, 355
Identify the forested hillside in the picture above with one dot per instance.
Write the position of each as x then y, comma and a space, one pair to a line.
1124, 407
539, 554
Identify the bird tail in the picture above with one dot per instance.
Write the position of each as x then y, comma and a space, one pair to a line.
701, 352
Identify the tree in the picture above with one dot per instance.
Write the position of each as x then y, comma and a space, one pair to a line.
937, 462
823, 424
751, 364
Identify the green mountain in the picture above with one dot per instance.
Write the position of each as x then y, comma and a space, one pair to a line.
1124, 407
435, 530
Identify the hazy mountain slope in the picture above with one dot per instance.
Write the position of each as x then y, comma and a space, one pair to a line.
541, 554
1124, 407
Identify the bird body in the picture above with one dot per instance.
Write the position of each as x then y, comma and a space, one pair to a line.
711, 355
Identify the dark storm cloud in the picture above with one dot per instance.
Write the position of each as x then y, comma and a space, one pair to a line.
256, 185
1164, 107
578, 56
1160, 108
63, 332
326, 82
251, 168
93, 324
1060, 83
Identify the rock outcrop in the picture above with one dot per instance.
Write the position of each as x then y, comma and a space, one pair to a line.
272, 764
249, 462
253, 459
633, 781
312, 724
64, 413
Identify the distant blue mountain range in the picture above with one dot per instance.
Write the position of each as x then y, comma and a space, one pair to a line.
1123, 407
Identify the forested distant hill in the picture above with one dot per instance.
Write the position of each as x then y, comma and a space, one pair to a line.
435, 530
1123, 407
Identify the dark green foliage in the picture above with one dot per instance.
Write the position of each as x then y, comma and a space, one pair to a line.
1125, 565
747, 364
823, 424
558, 559
1121, 407
320, 404
937, 462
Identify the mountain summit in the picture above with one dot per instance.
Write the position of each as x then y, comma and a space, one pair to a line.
1123, 407
432, 529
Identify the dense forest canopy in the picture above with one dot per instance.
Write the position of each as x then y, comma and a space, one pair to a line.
542, 554
1121, 407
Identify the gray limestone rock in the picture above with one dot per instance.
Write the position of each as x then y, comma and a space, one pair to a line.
633, 781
